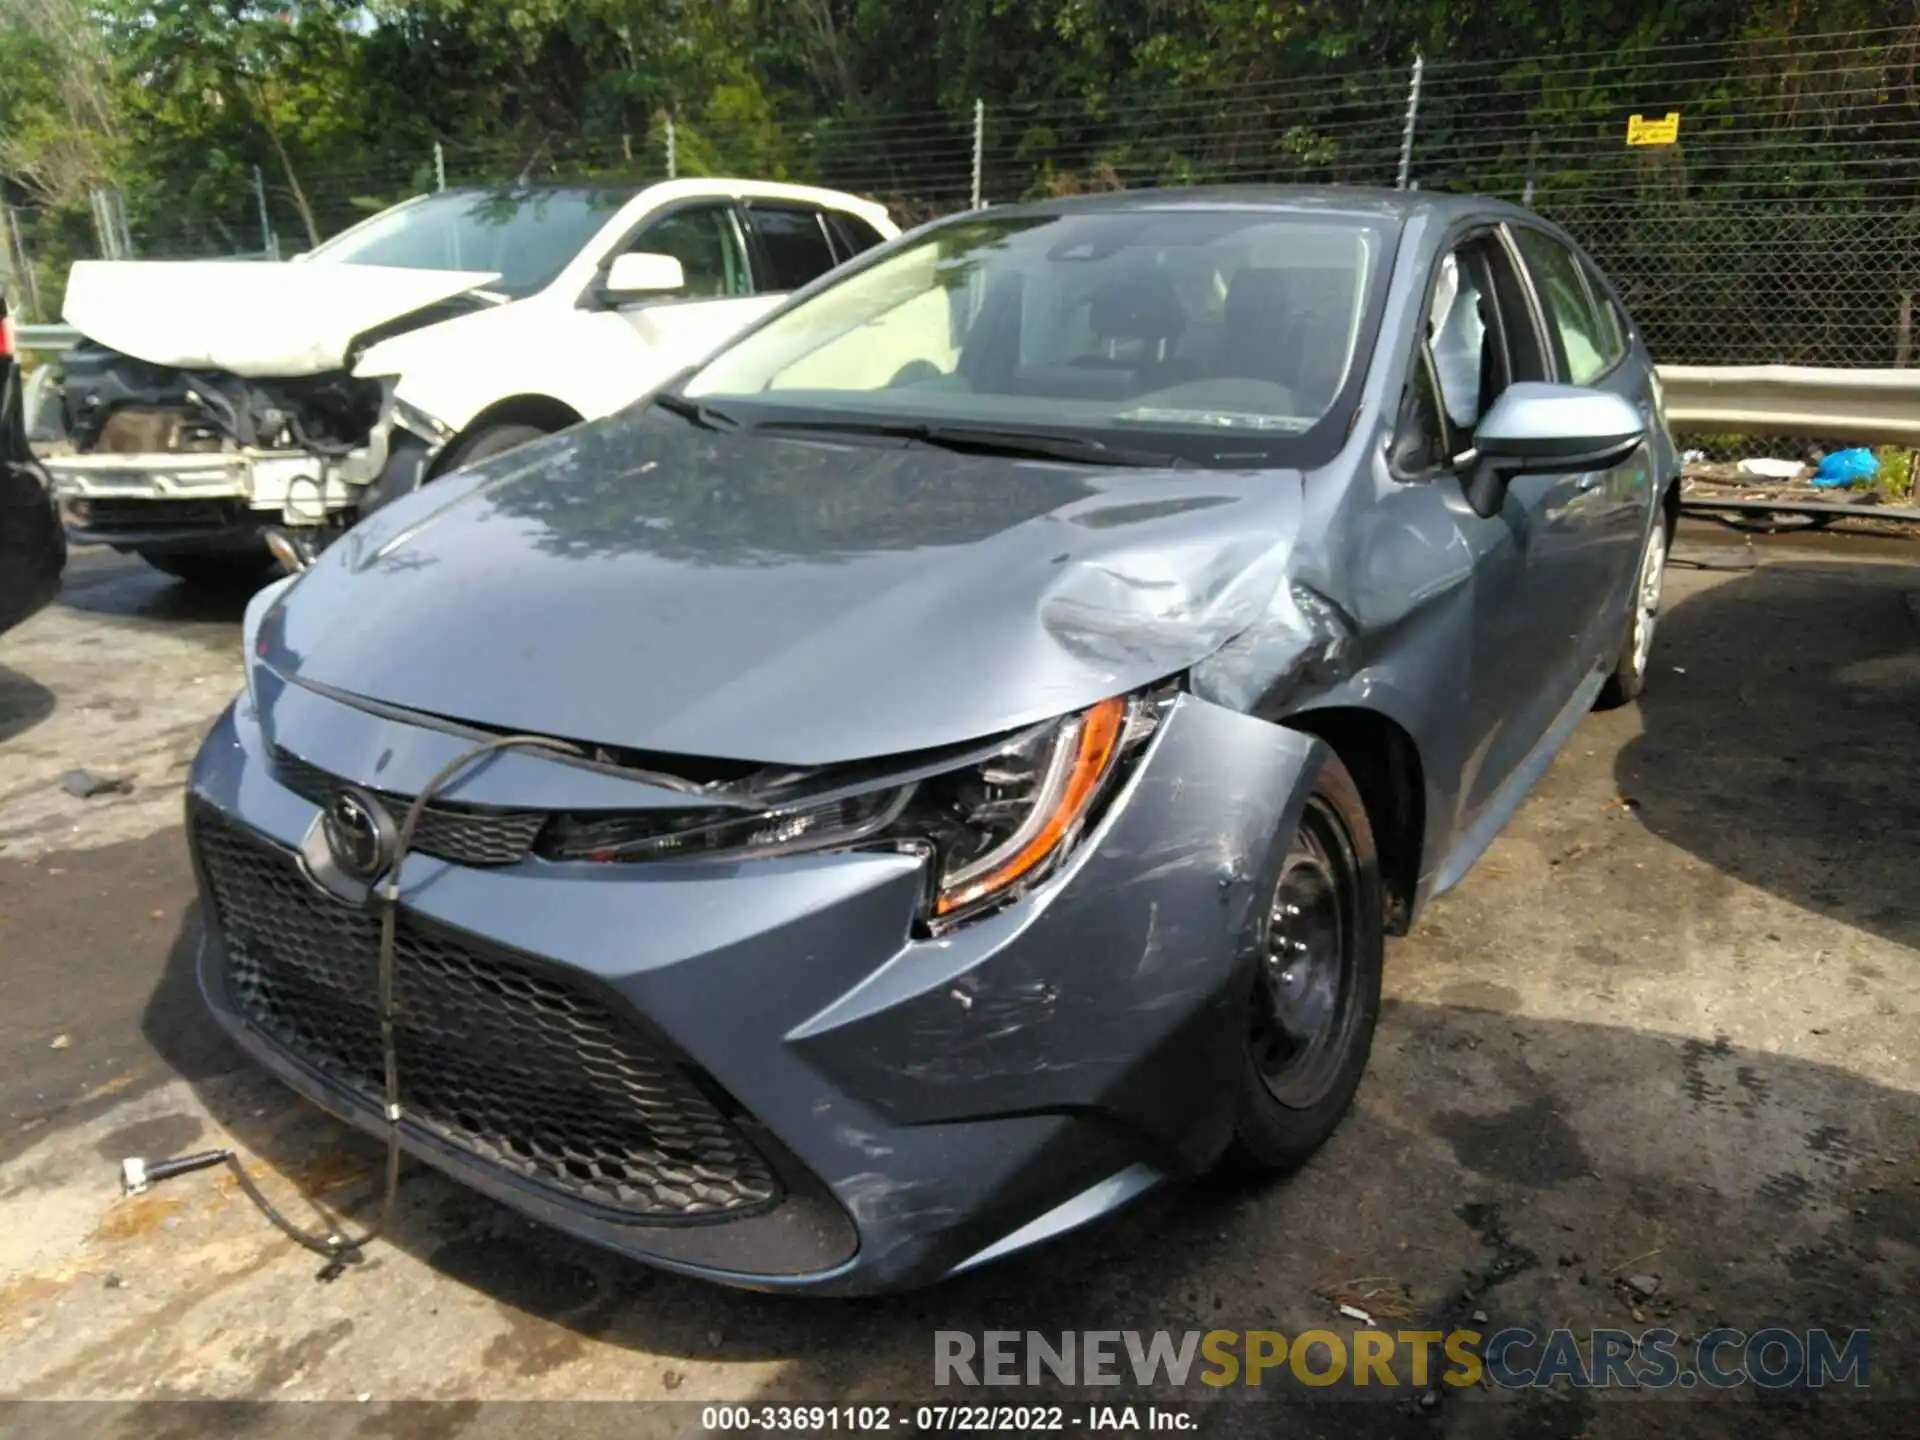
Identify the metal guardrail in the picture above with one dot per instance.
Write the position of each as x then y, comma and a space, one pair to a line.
45, 337
1869, 407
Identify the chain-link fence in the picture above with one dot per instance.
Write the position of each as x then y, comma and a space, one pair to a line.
1779, 221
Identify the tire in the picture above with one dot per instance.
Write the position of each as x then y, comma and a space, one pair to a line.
1297, 1081
487, 441
1629, 675
213, 569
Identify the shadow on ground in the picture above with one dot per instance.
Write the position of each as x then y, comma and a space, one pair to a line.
128, 589
1801, 778
24, 703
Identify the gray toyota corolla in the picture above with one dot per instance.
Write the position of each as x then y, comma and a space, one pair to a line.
947, 765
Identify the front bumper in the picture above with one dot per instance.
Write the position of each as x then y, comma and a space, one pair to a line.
127, 499
922, 1105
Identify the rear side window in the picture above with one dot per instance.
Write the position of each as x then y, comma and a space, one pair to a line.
794, 241
851, 234
1578, 334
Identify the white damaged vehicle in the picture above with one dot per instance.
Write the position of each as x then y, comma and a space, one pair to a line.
219, 413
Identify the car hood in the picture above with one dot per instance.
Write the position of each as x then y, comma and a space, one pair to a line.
256, 318
641, 583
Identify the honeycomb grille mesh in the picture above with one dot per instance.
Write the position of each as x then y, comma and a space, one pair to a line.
496, 1057
466, 837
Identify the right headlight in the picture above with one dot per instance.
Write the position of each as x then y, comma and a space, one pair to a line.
989, 829
998, 825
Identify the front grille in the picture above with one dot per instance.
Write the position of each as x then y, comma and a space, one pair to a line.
496, 1055
464, 836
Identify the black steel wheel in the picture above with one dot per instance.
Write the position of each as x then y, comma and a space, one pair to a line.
1315, 992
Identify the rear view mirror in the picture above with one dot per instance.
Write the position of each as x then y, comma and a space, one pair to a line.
641, 273
1537, 429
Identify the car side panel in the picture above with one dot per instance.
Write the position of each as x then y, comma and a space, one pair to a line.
1439, 606
594, 361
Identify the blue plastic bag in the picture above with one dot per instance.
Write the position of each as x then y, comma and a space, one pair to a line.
1846, 467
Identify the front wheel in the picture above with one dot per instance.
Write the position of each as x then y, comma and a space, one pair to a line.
1316, 991
1629, 675
488, 441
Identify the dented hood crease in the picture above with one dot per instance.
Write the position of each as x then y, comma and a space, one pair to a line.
641, 583
251, 318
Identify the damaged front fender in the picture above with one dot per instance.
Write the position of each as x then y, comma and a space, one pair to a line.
1302, 642
1128, 968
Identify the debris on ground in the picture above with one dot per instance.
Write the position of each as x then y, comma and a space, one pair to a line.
1845, 468
1889, 484
1368, 1299
84, 784
1645, 1286
1766, 468
61, 1042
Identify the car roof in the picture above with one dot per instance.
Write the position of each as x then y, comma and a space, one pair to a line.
1359, 201
727, 186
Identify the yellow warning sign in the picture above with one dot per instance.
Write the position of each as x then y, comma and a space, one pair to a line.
1663, 131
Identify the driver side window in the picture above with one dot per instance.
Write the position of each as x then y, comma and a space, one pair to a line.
1478, 338
706, 241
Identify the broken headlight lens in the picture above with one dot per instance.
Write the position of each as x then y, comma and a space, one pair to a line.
736, 835
1000, 823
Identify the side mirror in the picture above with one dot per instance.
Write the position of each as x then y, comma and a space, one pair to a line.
642, 272
1537, 429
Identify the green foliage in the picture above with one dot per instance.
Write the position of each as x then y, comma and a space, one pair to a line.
1896, 473
197, 110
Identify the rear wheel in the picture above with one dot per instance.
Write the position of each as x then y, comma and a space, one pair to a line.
221, 569
1629, 676
490, 440
1316, 993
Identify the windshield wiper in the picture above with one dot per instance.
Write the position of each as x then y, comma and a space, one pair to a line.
978, 440
705, 416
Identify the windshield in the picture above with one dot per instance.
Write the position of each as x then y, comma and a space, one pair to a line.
525, 237
1228, 336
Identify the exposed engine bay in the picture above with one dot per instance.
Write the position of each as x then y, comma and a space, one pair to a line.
206, 472
116, 403
210, 447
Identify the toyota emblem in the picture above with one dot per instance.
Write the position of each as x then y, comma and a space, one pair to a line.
360, 833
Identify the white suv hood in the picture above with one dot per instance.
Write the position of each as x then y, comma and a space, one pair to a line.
256, 318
